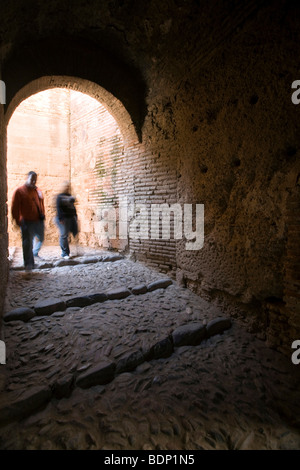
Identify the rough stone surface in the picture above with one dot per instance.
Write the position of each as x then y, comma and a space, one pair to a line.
231, 391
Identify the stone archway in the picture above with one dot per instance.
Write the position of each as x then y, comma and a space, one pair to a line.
100, 167
85, 61
109, 101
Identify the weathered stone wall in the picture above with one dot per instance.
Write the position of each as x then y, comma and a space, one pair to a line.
3, 215
38, 140
290, 314
237, 130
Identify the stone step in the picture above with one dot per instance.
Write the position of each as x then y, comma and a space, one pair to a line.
46, 264
52, 305
105, 371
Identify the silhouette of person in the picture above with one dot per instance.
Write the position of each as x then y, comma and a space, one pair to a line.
28, 211
66, 218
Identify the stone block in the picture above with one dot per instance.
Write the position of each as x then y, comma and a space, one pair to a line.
45, 265
101, 374
95, 298
218, 325
112, 257
63, 387
86, 260
25, 404
118, 293
160, 284
82, 301
49, 306
141, 289
161, 349
22, 313
190, 334
130, 362
65, 262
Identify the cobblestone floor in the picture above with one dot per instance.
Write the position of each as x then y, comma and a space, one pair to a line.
228, 392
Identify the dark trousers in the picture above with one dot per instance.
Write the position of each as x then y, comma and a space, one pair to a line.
32, 239
66, 226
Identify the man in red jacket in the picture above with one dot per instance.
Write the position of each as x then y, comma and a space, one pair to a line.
29, 213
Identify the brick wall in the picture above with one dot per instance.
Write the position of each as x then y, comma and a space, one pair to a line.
107, 169
155, 183
98, 172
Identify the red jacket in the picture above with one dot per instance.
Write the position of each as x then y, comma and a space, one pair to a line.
26, 204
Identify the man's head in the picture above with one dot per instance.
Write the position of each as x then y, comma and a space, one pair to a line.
66, 187
31, 179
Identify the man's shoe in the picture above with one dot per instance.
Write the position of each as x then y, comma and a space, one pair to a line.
29, 268
66, 257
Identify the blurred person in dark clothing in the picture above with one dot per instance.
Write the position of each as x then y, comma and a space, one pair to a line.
66, 218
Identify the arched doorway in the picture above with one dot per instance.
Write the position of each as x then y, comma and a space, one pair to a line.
69, 129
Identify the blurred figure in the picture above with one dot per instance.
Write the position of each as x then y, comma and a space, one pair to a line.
28, 211
66, 218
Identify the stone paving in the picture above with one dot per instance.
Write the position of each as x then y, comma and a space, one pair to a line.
104, 353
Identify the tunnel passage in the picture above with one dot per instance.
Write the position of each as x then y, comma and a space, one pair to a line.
107, 164
210, 115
